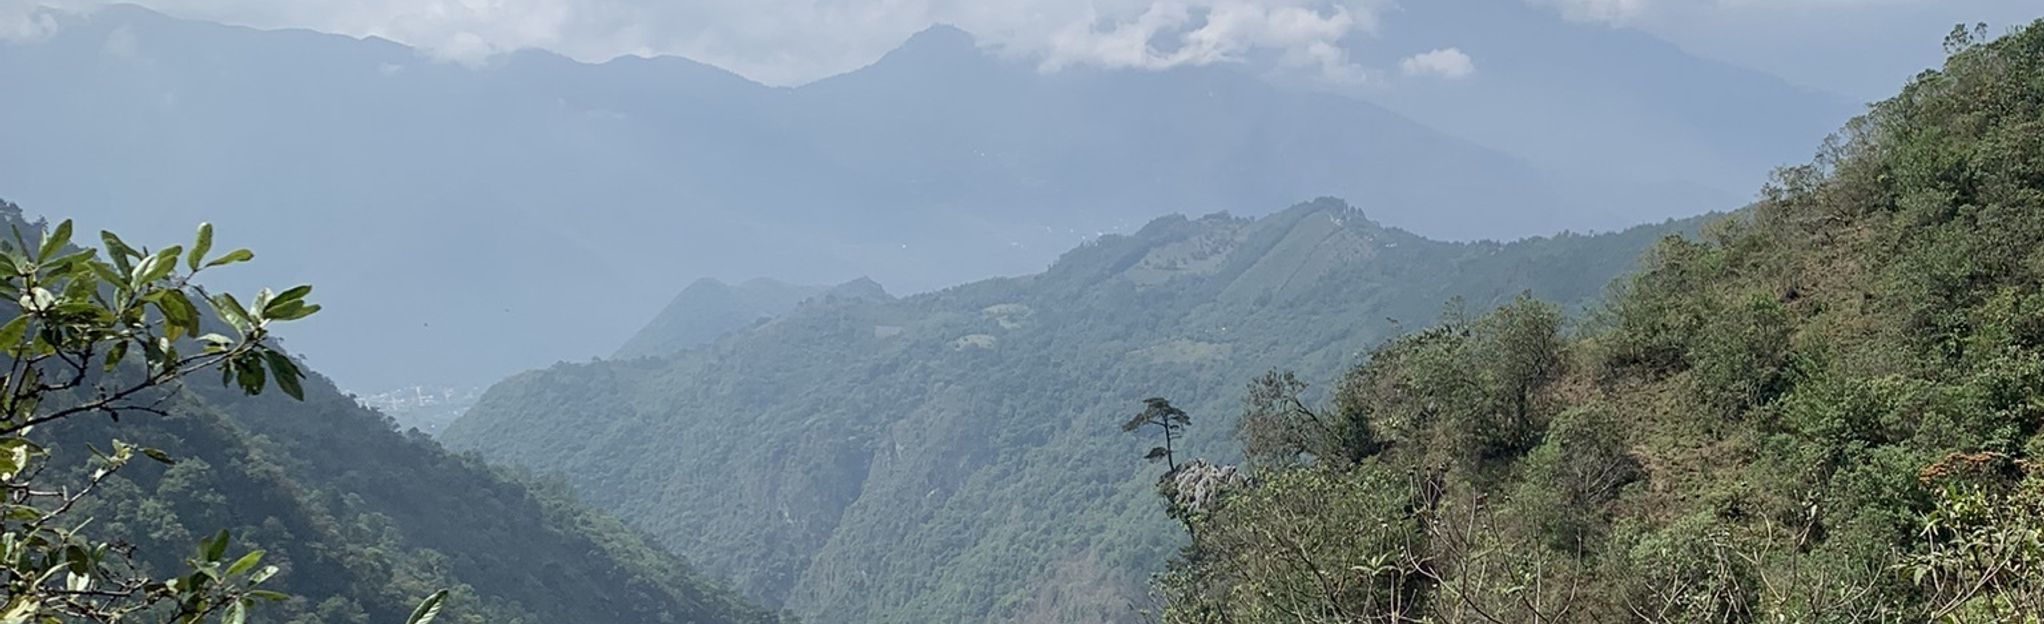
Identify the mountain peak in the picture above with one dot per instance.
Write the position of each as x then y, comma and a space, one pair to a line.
935, 49
709, 309
941, 53
941, 38
704, 285
864, 289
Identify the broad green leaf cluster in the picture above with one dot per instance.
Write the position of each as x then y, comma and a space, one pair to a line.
106, 336
354, 521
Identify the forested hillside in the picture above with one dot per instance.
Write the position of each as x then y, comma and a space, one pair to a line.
1826, 409
363, 521
950, 457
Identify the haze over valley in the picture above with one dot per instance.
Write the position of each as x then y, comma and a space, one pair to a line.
1057, 311
942, 162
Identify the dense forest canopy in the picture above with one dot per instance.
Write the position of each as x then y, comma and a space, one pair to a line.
1826, 409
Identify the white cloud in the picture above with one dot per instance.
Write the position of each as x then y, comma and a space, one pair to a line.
795, 41
23, 21
792, 41
1173, 33
1450, 63
1615, 12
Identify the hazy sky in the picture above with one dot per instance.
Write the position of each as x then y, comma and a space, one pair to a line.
1854, 47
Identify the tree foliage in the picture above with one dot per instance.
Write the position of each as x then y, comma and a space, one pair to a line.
112, 335
1169, 421
330, 515
956, 455
1826, 409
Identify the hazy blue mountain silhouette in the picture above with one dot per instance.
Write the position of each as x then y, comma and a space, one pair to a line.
537, 208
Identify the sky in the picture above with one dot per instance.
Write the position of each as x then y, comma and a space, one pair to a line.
1850, 47
1863, 49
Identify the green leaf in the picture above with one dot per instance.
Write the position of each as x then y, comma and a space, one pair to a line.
134, 279
286, 373
262, 575
166, 353
160, 456
215, 547
12, 333
290, 305
231, 309
245, 563
249, 375
238, 255
237, 613
291, 312
428, 609
119, 252
158, 266
77, 560
296, 293
201, 246
115, 354
182, 318
107, 273
272, 596
69, 259
14, 456
56, 240
77, 293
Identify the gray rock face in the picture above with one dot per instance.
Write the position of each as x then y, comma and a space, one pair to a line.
1197, 484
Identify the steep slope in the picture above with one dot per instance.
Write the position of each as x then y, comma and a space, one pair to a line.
1827, 409
709, 309
509, 187
364, 520
951, 456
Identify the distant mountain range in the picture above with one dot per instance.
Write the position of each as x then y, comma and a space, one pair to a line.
538, 209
